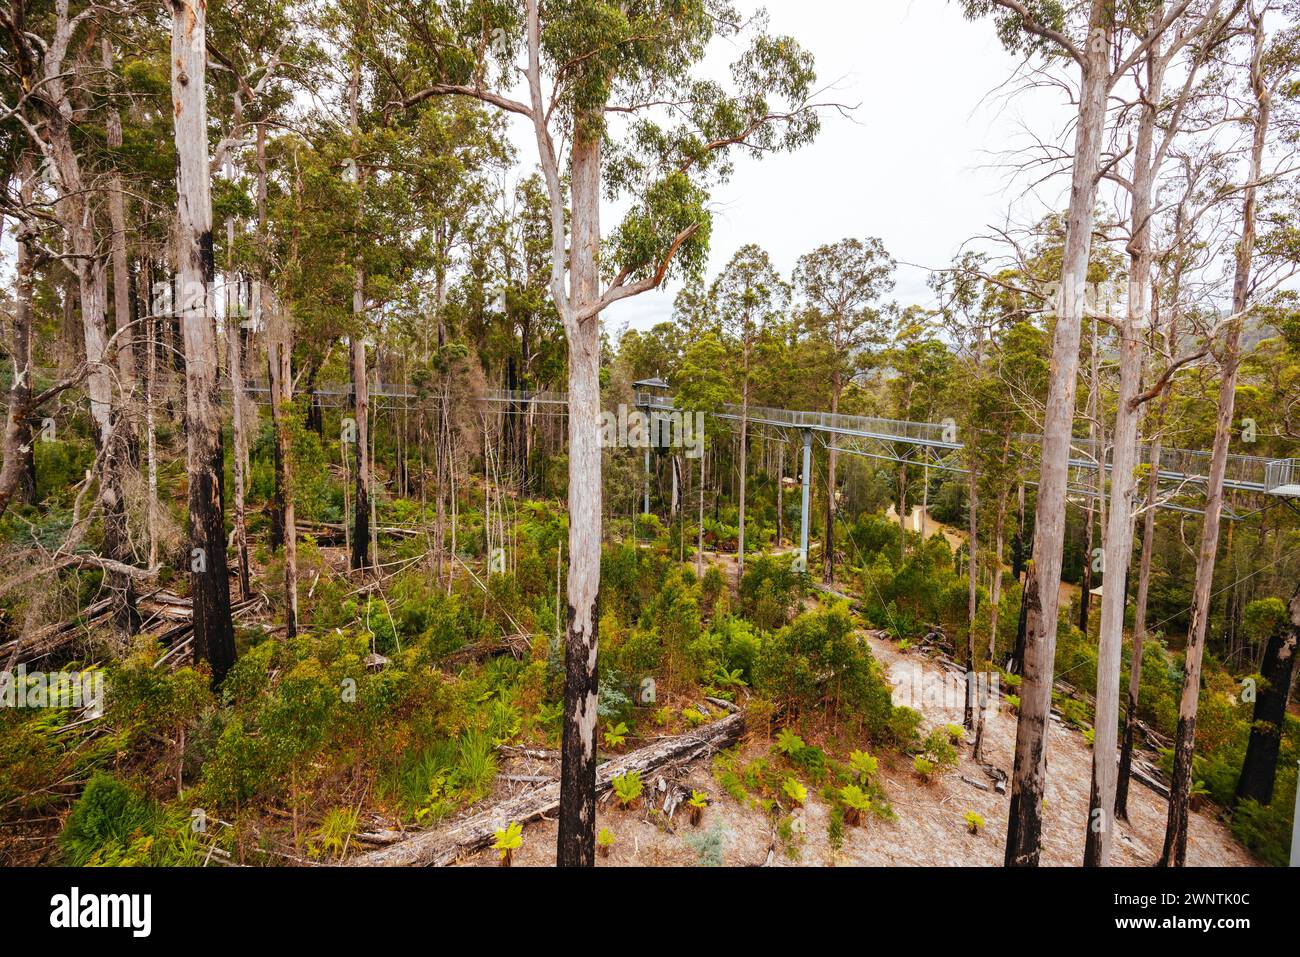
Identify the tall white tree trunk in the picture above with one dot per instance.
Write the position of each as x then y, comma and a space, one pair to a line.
126, 366
1118, 553
1174, 852
239, 438
576, 842
76, 216
279, 350
214, 640
1024, 827
357, 363
14, 470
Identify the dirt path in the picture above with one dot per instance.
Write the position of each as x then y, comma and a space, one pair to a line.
930, 829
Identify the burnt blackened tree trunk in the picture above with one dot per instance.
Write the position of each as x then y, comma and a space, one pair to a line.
1174, 853
1024, 823
1259, 769
214, 638
576, 841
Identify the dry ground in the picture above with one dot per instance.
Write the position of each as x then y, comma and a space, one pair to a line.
929, 829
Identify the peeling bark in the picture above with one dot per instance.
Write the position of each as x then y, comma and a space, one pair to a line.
214, 639
1024, 827
576, 841
1174, 852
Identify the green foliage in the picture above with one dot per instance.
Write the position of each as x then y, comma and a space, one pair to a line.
863, 765
508, 839
903, 729
794, 790
795, 663
615, 734
974, 822
1266, 830
856, 802
60, 467
694, 717
113, 825
939, 749
835, 820
335, 832
789, 743
627, 787
108, 819
433, 782
1012, 27
769, 591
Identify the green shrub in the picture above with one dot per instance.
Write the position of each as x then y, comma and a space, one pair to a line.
113, 825
795, 661
769, 591
107, 819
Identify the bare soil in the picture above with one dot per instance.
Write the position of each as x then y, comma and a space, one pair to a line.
930, 828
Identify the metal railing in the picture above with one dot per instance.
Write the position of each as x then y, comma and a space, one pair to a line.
526, 396
1254, 473
1281, 473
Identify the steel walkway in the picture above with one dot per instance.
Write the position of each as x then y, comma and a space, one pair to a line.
1246, 473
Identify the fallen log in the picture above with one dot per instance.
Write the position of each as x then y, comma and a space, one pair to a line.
537, 754
516, 645
173, 611
46, 641
173, 636
335, 530
445, 846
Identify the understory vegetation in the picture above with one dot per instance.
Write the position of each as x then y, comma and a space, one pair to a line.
332, 487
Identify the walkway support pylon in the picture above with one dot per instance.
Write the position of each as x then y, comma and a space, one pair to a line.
803, 513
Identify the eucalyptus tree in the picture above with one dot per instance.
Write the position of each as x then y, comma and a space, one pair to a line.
44, 98
841, 284
126, 369
750, 297
18, 465
1158, 122
585, 63
1269, 70
1091, 37
959, 289
214, 638
249, 44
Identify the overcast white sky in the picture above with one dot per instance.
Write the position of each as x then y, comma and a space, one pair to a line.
911, 167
